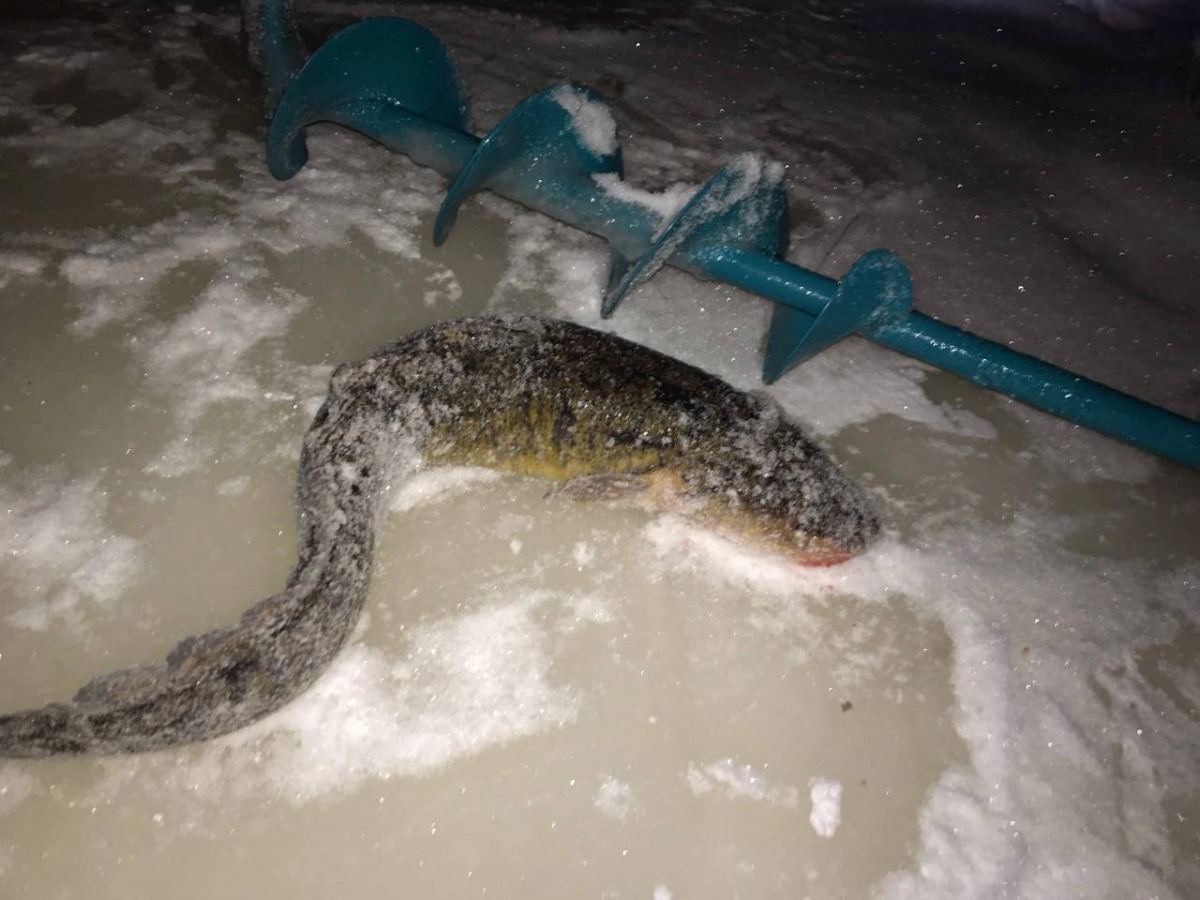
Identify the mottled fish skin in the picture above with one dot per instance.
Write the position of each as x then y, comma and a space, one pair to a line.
530, 395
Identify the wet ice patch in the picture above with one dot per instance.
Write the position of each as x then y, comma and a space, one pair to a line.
509, 524
57, 550
16, 785
739, 782
826, 815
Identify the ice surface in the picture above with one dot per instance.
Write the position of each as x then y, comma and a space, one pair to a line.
1004, 688
15, 787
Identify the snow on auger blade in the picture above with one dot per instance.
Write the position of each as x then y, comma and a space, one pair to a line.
557, 152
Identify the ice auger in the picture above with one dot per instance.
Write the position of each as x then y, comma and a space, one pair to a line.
557, 152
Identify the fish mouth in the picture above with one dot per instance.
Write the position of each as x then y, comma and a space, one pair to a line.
820, 553
767, 535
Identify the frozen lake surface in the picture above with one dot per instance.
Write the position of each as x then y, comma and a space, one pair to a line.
544, 698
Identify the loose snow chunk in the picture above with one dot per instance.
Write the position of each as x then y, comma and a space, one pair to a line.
591, 120
665, 203
826, 813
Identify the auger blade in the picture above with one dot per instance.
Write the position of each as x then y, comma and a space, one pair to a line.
618, 265
876, 290
742, 207
557, 139
387, 78
393, 81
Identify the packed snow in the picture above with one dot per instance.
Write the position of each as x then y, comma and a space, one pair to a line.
997, 700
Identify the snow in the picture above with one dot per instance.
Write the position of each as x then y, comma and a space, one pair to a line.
998, 699
591, 121
614, 798
462, 686
826, 813
738, 782
432, 485
60, 549
666, 202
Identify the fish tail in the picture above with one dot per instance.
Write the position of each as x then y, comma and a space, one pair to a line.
223, 680
51, 730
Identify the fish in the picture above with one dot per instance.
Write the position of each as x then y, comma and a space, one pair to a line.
605, 418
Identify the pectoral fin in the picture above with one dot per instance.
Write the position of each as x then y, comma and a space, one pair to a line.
604, 486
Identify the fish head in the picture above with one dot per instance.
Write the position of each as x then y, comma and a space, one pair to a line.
795, 502
824, 535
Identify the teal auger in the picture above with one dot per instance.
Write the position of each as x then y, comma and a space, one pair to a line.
557, 152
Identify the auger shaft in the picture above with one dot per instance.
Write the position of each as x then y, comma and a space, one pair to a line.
981, 361
392, 80
448, 151
985, 363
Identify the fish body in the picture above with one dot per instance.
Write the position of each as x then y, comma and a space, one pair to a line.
602, 415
